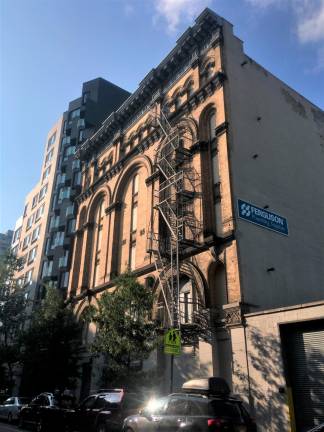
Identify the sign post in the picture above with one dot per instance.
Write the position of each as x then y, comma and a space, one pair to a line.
172, 346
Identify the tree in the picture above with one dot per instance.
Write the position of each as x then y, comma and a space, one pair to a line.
12, 317
125, 333
50, 347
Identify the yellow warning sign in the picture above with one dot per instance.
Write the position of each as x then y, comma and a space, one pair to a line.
172, 342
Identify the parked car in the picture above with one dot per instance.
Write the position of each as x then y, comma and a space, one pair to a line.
204, 405
106, 410
47, 412
10, 408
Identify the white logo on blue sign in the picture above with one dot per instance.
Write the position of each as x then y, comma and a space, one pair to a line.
262, 217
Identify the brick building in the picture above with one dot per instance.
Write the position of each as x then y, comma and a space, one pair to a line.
206, 128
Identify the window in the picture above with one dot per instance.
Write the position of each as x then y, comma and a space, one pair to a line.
76, 164
35, 234
97, 242
74, 114
66, 140
35, 200
49, 156
77, 178
47, 268
26, 242
32, 255
51, 141
60, 179
81, 135
57, 239
177, 406
186, 301
40, 212
16, 236
14, 250
65, 192
68, 152
42, 192
190, 89
133, 224
64, 280
28, 277
132, 256
63, 261
85, 97
30, 221
177, 101
71, 226
69, 210
46, 173
25, 210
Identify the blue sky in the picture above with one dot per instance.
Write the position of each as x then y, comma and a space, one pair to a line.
49, 48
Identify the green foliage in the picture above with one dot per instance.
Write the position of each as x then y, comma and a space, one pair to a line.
12, 317
51, 347
125, 333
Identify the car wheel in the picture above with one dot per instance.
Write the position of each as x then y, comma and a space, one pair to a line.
9, 418
101, 428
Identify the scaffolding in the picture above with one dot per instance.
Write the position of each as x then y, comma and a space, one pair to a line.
174, 227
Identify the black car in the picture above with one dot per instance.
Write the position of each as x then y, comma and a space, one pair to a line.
47, 413
205, 405
106, 410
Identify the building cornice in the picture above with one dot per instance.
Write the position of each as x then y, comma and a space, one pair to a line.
194, 41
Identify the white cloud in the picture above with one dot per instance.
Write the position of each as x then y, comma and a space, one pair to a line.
310, 25
308, 22
176, 11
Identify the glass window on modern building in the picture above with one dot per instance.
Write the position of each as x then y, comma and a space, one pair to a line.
74, 114
35, 234
65, 192
30, 221
51, 140
42, 192
49, 156
28, 277
35, 201
46, 173
39, 212
32, 255
26, 242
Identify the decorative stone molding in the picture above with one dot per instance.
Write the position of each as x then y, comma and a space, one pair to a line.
234, 315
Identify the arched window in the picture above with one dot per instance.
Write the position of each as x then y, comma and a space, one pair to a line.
97, 240
133, 224
190, 89
177, 101
187, 301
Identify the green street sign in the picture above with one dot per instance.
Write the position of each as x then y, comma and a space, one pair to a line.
172, 342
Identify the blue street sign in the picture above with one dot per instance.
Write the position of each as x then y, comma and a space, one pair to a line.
261, 217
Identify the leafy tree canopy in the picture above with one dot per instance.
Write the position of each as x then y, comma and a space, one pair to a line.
12, 317
51, 347
125, 332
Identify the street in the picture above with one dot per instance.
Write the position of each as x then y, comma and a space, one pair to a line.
5, 427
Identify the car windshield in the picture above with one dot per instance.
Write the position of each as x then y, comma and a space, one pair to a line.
225, 409
23, 401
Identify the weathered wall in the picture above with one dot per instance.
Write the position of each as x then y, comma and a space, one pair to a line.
276, 152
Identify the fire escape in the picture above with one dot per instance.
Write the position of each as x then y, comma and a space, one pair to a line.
175, 228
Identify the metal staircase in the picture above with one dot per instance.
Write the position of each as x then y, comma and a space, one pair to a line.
174, 225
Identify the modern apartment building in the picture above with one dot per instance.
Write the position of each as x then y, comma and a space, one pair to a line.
31, 229
85, 114
214, 162
43, 236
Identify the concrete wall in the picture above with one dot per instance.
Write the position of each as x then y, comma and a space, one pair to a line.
276, 151
259, 376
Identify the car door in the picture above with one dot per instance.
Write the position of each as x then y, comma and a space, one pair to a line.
5, 408
84, 414
175, 416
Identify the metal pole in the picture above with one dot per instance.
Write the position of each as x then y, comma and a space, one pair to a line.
171, 376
